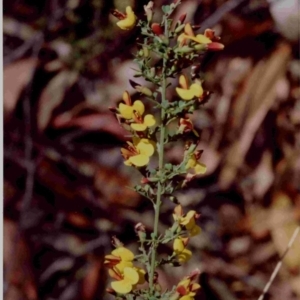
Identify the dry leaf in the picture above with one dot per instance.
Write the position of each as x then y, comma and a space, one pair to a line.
16, 77
53, 95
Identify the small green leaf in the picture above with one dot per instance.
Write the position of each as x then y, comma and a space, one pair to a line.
165, 8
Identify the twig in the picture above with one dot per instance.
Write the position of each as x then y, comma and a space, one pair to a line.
30, 167
279, 264
220, 12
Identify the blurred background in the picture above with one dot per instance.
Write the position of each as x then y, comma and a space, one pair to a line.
66, 190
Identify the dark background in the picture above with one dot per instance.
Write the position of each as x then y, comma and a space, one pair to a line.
66, 188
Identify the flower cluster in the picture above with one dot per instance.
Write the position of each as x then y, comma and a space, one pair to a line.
187, 223
165, 50
208, 38
186, 289
138, 151
121, 268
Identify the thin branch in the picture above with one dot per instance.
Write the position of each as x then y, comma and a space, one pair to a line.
220, 12
279, 264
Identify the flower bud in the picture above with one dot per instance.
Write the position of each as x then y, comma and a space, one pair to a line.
149, 11
145, 180
214, 46
145, 51
209, 33
179, 28
201, 47
157, 287
182, 18
116, 242
173, 199
184, 49
144, 90
140, 230
198, 154
157, 29
152, 72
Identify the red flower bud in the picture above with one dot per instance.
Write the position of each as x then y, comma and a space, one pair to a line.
182, 18
214, 46
157, 29
144, 180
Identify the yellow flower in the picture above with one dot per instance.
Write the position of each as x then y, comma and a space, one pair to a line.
188, 220
125, 280
128, 109
186, 92
128, 20
179, 247
119, 258
189, 35
186, 288
142, 123
139, 152
208, 39
193, 163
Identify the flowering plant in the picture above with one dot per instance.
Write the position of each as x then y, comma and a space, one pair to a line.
166, 49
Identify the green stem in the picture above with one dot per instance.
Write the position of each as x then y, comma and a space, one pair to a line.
159, 187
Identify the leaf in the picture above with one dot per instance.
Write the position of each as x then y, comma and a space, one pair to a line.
53, 95
165, 8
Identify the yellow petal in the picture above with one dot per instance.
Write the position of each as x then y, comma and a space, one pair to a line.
139, 160
124, 264
142, 274
190, 224
126, 111
146, 147
184, 256
130, 20
181, 38
138, 127
127, 98
127, 163
185, 283
135, 141
202, 39
189, 216
196, 89
188, 30
114, 274
149, 120
183, 82
139, 106
195, 286
186, 297
123, 253
185, 94
191, 163
200, 168
178, 245
122, 286
194, 230
131, 275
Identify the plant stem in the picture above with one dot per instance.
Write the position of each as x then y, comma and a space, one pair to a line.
159, 186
